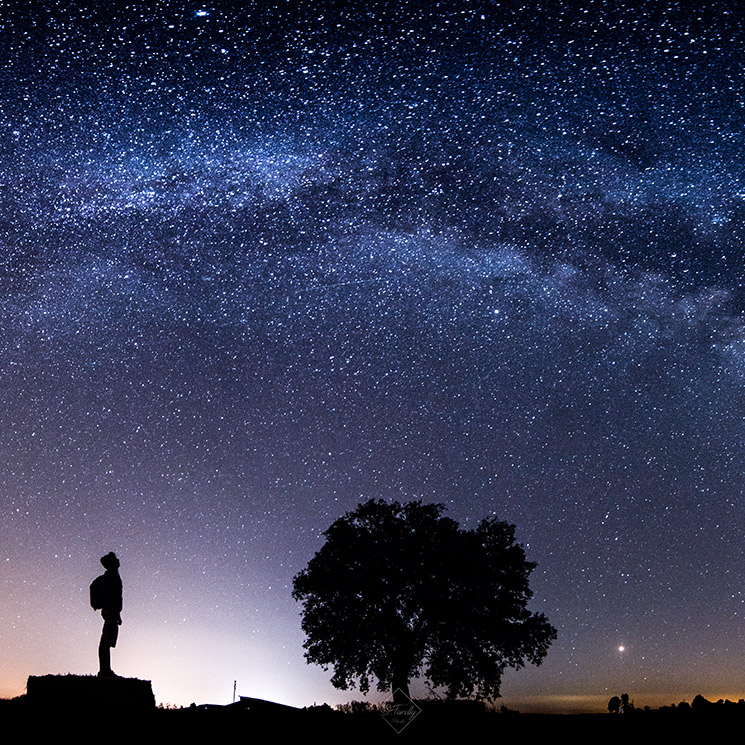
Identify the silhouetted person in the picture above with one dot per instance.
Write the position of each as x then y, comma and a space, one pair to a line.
106, 595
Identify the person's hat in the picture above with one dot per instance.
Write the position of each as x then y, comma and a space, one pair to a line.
110, 561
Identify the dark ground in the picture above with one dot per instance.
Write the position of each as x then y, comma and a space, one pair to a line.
437, 722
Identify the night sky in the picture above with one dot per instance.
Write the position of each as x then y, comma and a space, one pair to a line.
261, 262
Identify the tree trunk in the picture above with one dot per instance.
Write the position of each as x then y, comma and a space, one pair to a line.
400, 685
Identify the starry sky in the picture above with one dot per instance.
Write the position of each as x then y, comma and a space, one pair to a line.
262, 261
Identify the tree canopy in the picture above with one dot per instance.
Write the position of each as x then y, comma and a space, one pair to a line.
400, 591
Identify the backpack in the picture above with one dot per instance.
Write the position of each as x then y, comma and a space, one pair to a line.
98, 592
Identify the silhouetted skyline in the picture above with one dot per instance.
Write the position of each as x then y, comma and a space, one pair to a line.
262, 264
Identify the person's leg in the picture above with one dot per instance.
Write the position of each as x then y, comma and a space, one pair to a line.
108, 640
104, 656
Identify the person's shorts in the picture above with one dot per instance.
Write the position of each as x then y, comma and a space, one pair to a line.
110, 632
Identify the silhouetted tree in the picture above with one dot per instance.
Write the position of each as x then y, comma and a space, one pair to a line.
614, 705
700, 703
398, 591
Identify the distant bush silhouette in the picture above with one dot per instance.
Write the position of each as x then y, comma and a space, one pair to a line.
398, 590
620, 705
